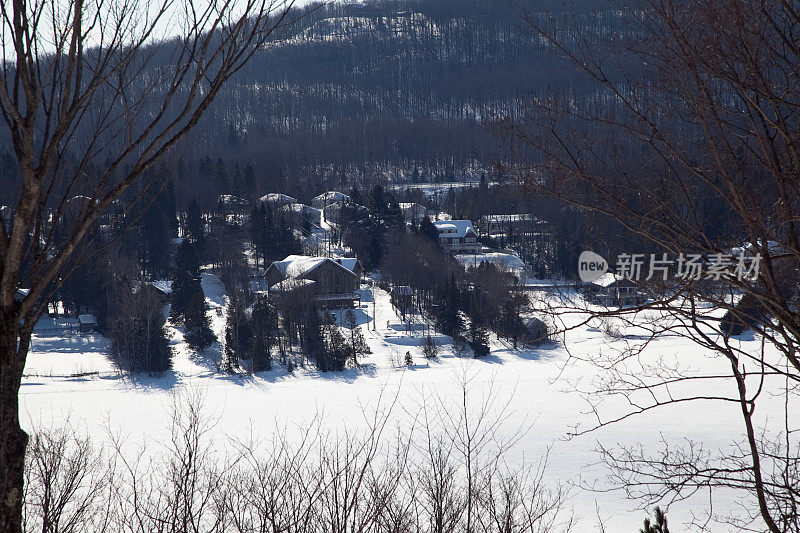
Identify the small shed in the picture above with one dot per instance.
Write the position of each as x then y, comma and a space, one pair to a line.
535, 331
87, 323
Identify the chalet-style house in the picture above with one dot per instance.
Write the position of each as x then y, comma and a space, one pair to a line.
413, 212
612, 290
329, 198
276, 200
457, 236
332, 282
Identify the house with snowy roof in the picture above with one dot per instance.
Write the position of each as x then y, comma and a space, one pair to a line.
611, 290
413, 212
276, 200
457, 235
329, 198
333, 282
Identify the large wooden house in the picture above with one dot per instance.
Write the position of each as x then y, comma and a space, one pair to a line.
331, 282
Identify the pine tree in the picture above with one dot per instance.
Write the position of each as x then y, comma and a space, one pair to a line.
358, 344
197, 325
264, 324
334, 352
238, 336
447, 316
156, 237
478, 334
256, 224
428, 231
155, 341
659, 527
195, 226
429, 349
186, 280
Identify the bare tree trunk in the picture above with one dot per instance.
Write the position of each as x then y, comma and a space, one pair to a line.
13, 440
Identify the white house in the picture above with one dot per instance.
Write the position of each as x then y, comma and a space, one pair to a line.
457, 235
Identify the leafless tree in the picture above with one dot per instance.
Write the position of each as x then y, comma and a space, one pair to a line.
67, 483
410, 478
691, 146
80, 86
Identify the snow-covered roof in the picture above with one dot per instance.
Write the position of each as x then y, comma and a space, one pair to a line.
87, 319
231, 199
299, 208
332, 196
773, 247
291, 284
295, 266
459, 228
609, 278
509, 261
164, 285
402, 290
278, 198
509, 218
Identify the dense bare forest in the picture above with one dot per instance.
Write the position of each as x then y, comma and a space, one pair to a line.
397, 90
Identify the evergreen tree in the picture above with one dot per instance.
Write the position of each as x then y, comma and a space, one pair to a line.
660, 525
478, 333
447, 316
358, 344
238, 336
186, 281
197, 325
256, 223
135, 323
429, 349
221, 183
334, 351
479, 339
355, 196
156, 240
428, 231
249, 182
264, 325
195, 225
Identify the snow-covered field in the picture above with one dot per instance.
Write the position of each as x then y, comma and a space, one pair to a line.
70, 376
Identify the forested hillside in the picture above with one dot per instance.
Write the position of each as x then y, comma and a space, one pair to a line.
400, 90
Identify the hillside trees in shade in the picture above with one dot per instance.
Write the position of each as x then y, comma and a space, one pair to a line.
401, 91
195, 225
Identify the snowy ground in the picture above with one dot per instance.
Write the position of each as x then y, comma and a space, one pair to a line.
71, 376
